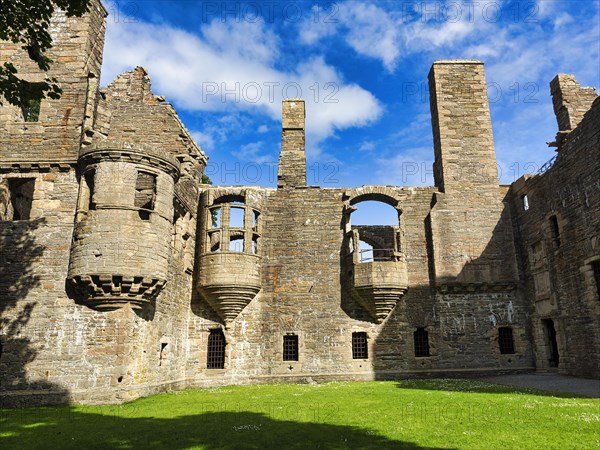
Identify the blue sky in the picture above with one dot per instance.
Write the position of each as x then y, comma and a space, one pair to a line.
362, 69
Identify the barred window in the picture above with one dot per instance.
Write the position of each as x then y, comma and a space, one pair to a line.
290, 347
359, 346
216, 350
505, 340
421, 338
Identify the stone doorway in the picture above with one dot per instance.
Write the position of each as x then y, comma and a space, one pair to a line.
551, 343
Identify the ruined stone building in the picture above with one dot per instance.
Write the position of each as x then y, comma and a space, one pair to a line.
121, 274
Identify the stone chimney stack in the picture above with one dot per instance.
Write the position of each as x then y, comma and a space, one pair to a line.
292, 159
570, 101
465, 159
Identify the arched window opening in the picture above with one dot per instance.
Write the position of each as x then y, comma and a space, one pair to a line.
375, 232
373, 212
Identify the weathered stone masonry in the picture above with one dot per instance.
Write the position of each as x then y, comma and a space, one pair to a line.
121, 274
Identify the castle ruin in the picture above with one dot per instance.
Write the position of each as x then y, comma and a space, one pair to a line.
123, 275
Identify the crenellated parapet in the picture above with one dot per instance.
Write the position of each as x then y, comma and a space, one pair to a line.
126, 191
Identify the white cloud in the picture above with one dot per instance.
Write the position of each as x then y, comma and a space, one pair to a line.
232, 67
205, 140
262, 129
255, 152
368, 30
315, 28
367, 146
371, 32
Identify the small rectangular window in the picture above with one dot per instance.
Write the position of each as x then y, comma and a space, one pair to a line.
216, 350
505, 340
145, 194
596, 269
215, 215
525, 201
359, 346
236, 244
31, 110
290, 347
421, 340
236, 218
21, 198
145, 191
555, 230
89, 183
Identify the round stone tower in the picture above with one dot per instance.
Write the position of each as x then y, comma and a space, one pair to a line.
124, 223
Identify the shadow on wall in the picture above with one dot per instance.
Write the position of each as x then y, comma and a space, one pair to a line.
19, 251
211, 430
455, 320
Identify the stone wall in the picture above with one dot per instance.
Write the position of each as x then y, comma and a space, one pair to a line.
118, 213
557, 222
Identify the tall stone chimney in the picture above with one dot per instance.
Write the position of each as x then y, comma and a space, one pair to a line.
292, 159
462, 128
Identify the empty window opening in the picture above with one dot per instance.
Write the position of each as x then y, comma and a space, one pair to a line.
255, 245
215, 240
89, 178
255, 215
525, 201
236, 244
376, 231
290, 347
215, 246
596, 269
555, 230
236, 218
421, 339
163, 346
216, 350
215, 215
31, 110
505, 340
21, 198
373, 212
359, 346
145, 192
366, 251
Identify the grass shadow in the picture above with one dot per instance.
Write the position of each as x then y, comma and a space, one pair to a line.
479, 386
70, 428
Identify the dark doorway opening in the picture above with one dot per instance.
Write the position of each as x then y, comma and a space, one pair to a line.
551, 344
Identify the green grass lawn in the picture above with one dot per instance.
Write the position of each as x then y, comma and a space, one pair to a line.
380, 415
